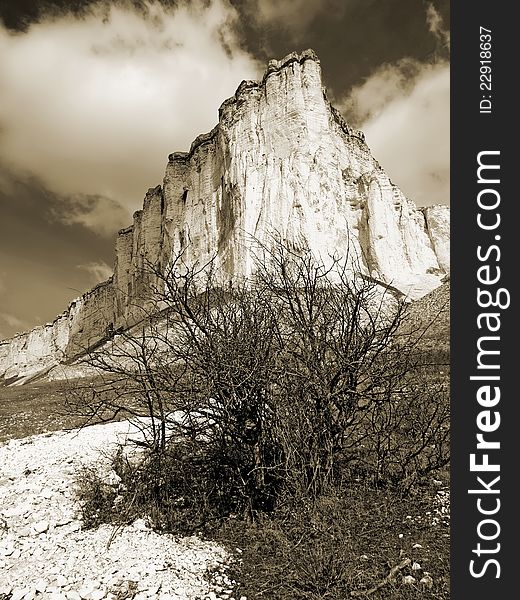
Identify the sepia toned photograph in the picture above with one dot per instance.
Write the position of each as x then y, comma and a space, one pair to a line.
225, 300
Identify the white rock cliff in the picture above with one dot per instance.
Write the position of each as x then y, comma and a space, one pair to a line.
281, 161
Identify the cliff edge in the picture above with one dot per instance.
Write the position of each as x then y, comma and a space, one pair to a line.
281, 161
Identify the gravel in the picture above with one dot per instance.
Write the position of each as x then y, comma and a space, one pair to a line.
45, 552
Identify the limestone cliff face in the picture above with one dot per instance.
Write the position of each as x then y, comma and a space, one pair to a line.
281, 162
140, 249
437, 219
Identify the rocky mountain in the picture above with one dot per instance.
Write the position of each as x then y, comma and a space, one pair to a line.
281, 162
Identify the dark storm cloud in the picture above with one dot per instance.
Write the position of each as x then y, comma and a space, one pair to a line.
385, 65
403, 108
44, 263
26, 223
99, 214
94, 105
351, 37
293, 17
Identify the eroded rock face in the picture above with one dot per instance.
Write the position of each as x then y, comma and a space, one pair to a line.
438, 225
281, 163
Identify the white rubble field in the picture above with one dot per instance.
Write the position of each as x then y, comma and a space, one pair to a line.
45, 553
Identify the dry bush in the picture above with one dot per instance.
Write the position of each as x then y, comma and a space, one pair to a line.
264, 392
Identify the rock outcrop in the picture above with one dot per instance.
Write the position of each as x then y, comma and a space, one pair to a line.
281, 162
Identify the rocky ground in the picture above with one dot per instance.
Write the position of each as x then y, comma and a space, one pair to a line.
45, 552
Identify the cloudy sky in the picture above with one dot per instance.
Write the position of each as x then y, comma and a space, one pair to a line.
95, 95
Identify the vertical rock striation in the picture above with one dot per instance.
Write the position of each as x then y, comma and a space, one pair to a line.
281, 163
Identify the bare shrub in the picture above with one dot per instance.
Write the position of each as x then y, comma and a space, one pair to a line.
255, 393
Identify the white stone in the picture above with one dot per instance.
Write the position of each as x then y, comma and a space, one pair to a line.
8, 549
152, 590
46, 493
113, 478
61, 581
98, 594
408, 580
84, 592
53, 589
140, 524
19, 509
41, 526
40, 585
134, 576
19, 592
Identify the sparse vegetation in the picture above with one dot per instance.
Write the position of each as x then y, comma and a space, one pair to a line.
35, 408
345, 543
